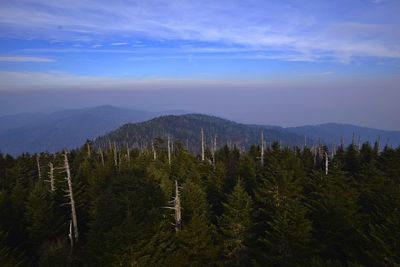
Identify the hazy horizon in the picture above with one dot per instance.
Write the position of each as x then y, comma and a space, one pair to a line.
285, 63
239, 107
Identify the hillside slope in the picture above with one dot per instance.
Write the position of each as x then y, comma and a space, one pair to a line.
187, 128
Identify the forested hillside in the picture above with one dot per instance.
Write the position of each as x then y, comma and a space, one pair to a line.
187, 129
169, 207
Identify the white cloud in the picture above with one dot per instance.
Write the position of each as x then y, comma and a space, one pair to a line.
266, 26
24, 59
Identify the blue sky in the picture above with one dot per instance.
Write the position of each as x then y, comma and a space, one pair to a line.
190, 45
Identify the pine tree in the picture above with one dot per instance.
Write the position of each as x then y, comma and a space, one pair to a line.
236, 225
335, 216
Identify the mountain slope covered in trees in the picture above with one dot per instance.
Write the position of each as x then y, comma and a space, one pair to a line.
69, 129
187, 130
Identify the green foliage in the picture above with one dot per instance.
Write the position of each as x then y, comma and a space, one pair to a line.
235, 211
236, 225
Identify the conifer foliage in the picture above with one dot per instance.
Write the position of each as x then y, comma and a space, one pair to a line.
161, 205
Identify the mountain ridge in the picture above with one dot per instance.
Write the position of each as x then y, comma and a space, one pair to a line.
68, 129
188, 128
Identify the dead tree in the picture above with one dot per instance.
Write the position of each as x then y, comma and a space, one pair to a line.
305, 141
119, 157
102, 157
333, 153
70, 236
128, 154
154, 150
169, 150
176, 206
51, 177
378, 145
326, 163
262, 149
88, 149
38, 167
115, 155
109, 145
202, 144
70, 195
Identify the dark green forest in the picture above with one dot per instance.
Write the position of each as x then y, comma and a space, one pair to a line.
140, 207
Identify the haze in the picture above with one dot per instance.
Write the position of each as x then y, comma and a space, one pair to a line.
284, 63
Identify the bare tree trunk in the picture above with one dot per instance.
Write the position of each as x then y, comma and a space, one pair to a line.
71, 239
115, 155
213, 149
169, 150
128, 154
177, 207
71, 198
102, 157
51, 176
109, 145
305, 141
154, 151
88, 149
326, 163
38, 167
215, 143
202, 144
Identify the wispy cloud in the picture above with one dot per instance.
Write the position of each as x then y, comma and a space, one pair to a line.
118, 44
25, 59
53, 80
304, 29
316, 74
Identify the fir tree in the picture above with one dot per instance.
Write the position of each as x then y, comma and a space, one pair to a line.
236, 225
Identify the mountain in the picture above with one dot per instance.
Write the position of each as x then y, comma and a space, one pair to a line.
187, 128
71, 128
333, 133
64, 129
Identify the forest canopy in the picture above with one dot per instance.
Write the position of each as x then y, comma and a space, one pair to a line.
166, 206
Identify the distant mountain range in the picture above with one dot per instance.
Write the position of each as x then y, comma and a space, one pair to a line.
335, 133
71, 128
64, 129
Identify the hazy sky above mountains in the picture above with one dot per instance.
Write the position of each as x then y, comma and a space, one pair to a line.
274, 62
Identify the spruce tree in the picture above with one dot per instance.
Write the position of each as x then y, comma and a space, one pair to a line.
236, 225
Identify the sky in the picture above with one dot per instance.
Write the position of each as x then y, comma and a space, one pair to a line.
280, 62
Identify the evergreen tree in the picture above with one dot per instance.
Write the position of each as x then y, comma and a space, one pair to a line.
236, 225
